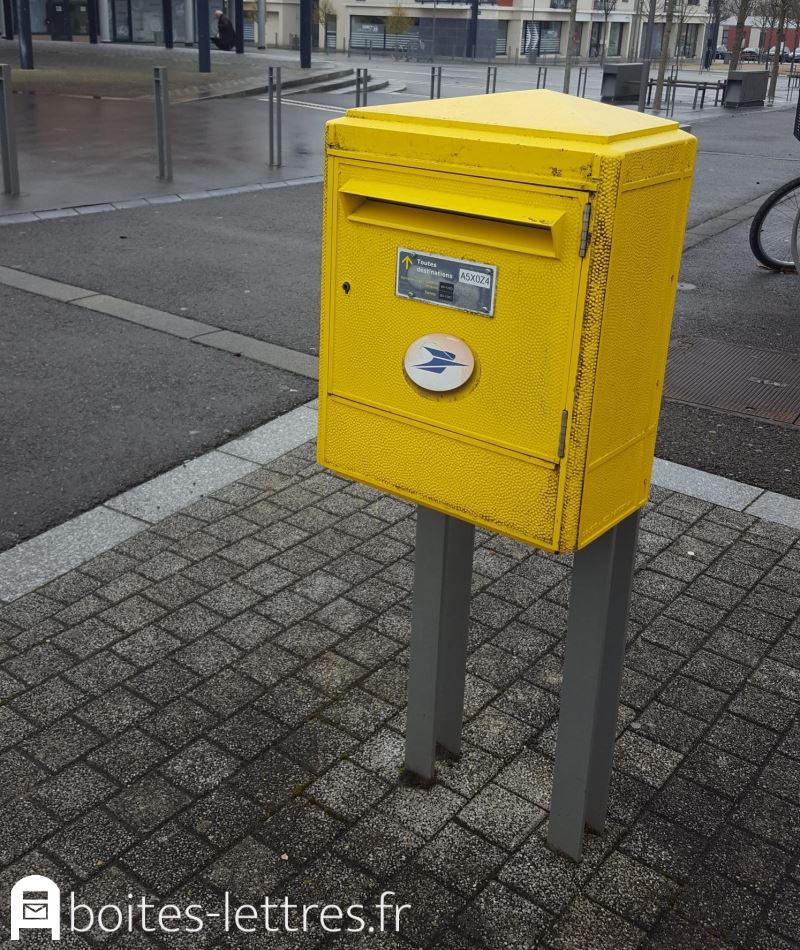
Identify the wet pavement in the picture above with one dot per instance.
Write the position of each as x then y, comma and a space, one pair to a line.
122, 71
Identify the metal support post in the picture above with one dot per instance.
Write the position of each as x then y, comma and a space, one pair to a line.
203, 37
8, 143
491, 79
362, 78
163, 139
437, 665
592, 674
274, 97
305, 34
436, 82
541, 77
583, 75
166, 24
8, 20
238, 16
261, 16
93, 21
24, 32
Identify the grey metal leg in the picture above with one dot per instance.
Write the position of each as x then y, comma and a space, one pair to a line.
437, 667
593, 659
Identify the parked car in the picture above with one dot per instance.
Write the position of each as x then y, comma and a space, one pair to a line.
721, 52
786, 54
749, 55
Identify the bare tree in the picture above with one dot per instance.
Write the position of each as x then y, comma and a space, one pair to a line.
573, 16
742, 11
323, 12
669, 20
398, 23
606, 7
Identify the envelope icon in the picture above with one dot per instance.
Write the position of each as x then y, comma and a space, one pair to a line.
34, 910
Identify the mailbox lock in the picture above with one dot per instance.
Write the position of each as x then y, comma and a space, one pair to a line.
346, 286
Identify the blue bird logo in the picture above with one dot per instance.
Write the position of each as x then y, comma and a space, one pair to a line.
439, 362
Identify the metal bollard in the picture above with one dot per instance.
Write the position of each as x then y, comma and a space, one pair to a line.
362, 78
275, 91
541, 78
583, 74
8, 144
436, 82
163, 139
491, 79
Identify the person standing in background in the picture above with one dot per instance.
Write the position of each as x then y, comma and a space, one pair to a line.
226, 35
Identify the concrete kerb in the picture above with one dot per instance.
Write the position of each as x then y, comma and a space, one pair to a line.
36, 562
29, 217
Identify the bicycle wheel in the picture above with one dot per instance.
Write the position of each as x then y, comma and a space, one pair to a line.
796, 242
772, 226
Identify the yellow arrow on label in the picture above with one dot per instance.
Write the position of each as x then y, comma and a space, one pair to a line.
407, 261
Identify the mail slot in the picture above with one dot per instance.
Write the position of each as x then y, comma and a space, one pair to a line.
499, 275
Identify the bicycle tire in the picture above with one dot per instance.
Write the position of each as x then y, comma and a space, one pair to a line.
771, 227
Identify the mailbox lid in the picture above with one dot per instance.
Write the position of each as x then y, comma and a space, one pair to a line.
524, 353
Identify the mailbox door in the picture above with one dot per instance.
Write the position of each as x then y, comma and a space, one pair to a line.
528, 237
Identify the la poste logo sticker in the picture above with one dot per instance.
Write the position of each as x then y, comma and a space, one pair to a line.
439, 362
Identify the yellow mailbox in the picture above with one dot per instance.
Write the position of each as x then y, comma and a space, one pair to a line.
499, 274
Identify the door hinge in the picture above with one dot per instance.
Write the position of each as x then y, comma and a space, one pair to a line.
587, 213
562, 439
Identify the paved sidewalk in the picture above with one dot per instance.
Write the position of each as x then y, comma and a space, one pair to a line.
119, 71
217, 705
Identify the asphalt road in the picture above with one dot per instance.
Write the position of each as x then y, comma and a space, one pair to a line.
92, 406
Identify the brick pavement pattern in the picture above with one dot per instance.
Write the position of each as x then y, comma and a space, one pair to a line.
218, 705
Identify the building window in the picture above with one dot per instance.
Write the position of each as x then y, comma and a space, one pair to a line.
541, 37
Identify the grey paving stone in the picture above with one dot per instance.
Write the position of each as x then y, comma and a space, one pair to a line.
425, 810
784, 916
272, 779
50, 701
675, 636
249, 870
179, 722
721, 771
332, 673
291, 701
268, 664
674, 932
301, 830
743, 738
719, 906
74, 791
13, 728
200, 767
347, 791
497, 732
146, 646
667, 726
502, 817
147, 803
379, 845
663, 845
163, 681
503, 920
224, 816
773, 819
359, 713
18, 775
778, 678
62, 743
100, 673
190, 622
590, 926
38, 664
644, 759
90, 842
747, 860
208, 655
717, 671
22, 826
230, 599
129, 756
167, 858
694, 806
317, 745
631, 889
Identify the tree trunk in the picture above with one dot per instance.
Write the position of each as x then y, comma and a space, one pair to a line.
776, 62
664, 58
573, 16
738, 36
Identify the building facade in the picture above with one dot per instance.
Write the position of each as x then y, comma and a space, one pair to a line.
507, 30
